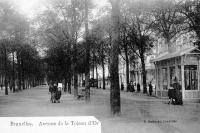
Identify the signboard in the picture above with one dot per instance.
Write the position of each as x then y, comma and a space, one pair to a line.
83, 124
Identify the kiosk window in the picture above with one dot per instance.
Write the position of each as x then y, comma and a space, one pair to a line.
179, 75
164, 75
191, 77
172, 74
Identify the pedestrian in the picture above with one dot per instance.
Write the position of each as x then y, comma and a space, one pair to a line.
50, 87
1, 86
50, 91
150, 88
132, 87
178, 94
122, 86
128, 87
53, 94
58, 92
171, 95
138, 87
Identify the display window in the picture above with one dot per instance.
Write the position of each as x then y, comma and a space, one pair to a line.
191, 77
164, 74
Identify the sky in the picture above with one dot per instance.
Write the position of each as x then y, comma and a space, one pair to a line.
29, 7
32, 7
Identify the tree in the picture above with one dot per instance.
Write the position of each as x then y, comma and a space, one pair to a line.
191, 10
140, 43
56, 37
87, 68
136, 34
102, 32
4, 52
57, 60
124, 49
69, 16
12, 31
114, 75
166, 21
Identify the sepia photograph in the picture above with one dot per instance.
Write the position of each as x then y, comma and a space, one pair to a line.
100, 66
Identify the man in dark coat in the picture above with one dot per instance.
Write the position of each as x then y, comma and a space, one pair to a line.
50, 90
150, 89
138, 87
178, 94
122, 86
129, 87
175, 93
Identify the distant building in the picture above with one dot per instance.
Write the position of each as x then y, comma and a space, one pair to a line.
136, 72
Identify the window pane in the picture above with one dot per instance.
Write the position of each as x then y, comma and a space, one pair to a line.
172, 74
179, 75
164, 74
159, 76
191, 77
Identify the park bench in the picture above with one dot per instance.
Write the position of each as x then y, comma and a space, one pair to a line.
81, 95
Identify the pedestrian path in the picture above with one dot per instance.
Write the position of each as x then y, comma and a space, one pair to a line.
139, 113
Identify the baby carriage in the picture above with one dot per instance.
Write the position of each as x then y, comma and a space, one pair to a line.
57, 96
53, 93
58, 93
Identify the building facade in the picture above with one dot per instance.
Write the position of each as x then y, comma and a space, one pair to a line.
180, 60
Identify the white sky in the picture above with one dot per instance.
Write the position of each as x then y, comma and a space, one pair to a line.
28, 7
32, 7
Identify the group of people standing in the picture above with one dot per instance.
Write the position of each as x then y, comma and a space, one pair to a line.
131, 87
55, 91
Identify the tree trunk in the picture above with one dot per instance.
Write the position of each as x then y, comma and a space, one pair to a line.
93, 65
65, 85
13, 72
75, 73
23, 74
69, 84
97, 76
19, 71
127, 65
33, 81
74, 37
6, 72
75, 84
114, 75
87, 67
143, 74
6, 85
103, 68
1, 82
82, 80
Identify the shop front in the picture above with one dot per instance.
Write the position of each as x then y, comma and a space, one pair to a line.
184, 66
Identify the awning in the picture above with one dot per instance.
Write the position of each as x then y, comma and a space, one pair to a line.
166, 56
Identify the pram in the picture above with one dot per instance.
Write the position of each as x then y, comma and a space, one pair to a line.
57, 94
53, 93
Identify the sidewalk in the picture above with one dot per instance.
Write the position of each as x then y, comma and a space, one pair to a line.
139, 113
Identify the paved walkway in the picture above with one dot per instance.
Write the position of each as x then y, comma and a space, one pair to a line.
139, 113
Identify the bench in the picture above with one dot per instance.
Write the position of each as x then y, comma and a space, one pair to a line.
80, 96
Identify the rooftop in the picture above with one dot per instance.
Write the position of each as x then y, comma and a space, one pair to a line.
167, 55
